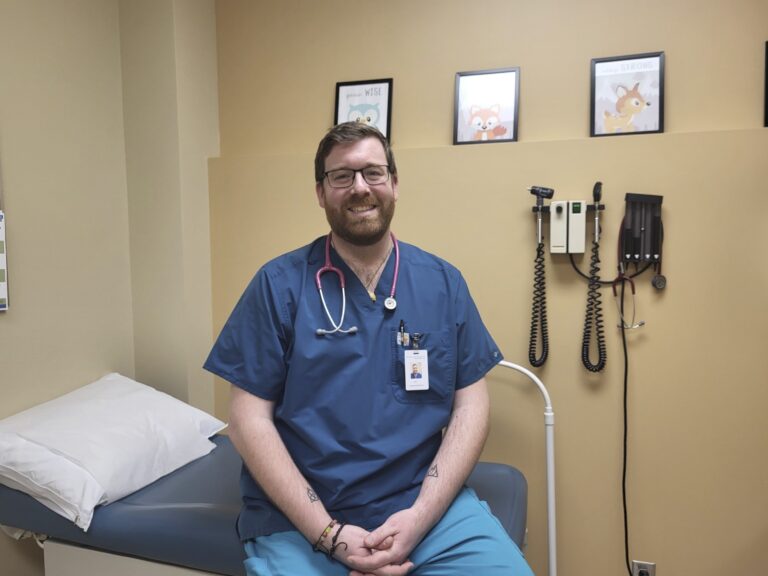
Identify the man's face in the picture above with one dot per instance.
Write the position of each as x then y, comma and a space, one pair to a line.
360, 214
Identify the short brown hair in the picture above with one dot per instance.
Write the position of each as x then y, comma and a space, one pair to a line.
348, 132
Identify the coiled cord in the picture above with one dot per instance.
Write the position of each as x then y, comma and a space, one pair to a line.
539, 312
594, 316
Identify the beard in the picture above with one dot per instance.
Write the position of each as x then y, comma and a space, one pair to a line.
361, 231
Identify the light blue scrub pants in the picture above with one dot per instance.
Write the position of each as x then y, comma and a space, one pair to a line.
467, 540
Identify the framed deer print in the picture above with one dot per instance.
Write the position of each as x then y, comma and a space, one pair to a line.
627, 95
486, 106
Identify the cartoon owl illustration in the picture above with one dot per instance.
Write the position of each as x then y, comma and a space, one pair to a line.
365, 113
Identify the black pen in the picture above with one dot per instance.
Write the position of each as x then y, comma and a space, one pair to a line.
402, 333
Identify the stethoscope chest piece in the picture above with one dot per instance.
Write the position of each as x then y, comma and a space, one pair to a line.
390, 303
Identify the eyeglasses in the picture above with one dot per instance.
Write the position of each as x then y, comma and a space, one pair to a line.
345, 177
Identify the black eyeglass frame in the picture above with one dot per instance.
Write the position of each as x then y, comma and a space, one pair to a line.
354, 173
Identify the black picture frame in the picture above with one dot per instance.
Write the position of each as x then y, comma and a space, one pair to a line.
627, 95
368, 101
486, 106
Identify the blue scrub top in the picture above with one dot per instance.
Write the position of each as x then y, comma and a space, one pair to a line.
361, 440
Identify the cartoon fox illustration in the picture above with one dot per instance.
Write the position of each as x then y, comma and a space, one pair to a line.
629, 105
486, 122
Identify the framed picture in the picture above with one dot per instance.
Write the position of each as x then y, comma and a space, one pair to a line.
627, 95
765, 95
368, 101
486, 106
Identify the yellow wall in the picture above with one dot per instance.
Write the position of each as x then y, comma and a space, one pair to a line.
99, 200
698, 483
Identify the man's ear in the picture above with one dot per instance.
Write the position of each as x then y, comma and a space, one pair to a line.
395, 192
320, 191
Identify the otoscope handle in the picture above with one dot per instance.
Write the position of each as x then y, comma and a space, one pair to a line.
597, 194
540, 192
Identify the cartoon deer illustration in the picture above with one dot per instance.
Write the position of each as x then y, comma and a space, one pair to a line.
629, 105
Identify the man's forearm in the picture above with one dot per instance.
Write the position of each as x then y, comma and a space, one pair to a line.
462, 443
253, 433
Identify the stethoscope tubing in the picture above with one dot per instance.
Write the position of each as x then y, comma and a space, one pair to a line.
390, 303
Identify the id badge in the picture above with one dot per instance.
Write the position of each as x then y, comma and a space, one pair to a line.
416, 370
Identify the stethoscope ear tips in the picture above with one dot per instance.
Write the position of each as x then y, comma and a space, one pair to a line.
352, 330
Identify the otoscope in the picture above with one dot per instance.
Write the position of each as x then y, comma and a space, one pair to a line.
541, 193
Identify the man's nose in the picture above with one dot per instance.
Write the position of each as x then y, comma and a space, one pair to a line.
359, 184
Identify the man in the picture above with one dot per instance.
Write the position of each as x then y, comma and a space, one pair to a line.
349, 467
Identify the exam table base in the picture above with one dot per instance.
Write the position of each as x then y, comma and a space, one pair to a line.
67, 560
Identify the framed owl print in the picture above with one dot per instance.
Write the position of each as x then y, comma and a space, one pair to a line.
367, 101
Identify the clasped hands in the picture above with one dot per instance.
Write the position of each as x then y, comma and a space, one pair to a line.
384, 551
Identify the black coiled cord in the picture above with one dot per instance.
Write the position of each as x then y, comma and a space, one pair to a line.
594, 316
539, 312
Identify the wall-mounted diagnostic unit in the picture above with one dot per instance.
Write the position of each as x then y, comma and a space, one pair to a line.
567, 226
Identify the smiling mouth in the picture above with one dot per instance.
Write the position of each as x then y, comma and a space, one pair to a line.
362, 209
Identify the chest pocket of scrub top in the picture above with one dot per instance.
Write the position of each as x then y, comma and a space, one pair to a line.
440, 345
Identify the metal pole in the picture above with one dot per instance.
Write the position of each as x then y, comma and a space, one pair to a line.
549, 429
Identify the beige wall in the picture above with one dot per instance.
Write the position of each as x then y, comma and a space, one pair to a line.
94, 191
171, 119
63, 161
698, 484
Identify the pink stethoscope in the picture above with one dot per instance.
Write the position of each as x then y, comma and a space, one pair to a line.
389, 303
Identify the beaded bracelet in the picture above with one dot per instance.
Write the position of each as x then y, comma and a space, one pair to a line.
318, 547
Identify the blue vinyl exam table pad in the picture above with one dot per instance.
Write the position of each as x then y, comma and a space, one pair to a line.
188, 518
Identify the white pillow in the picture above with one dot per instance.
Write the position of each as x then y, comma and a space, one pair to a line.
99, 443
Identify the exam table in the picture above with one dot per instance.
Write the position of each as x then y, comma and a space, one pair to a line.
184, 523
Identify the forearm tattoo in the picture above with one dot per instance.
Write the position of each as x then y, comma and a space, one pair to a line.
433, 471
312, 496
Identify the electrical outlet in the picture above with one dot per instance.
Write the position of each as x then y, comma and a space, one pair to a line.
640, 568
